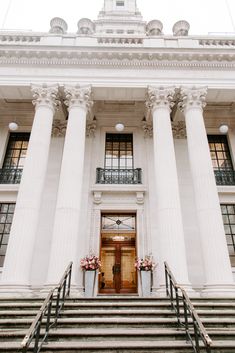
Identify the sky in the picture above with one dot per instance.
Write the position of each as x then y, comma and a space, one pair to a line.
204, 16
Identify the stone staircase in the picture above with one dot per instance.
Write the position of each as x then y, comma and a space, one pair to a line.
118, 325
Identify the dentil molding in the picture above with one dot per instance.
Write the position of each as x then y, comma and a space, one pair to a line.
141, 59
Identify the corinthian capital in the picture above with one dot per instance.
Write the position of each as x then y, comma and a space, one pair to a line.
159, 97
78, 96
193, 97
45, 95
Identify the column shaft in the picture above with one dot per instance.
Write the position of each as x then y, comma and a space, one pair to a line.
21, 242
168, 212
215, 252
68, 244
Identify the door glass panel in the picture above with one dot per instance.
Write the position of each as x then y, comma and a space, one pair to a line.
107, 261
128, 271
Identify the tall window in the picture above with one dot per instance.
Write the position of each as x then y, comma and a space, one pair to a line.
6, 216
221, 160
14, 159
16, 150
119, 151
228, 214
120, 3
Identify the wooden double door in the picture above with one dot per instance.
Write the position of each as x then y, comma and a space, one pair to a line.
118, 273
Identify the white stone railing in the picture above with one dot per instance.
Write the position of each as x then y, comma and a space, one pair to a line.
15, 38
216, 42
119, 40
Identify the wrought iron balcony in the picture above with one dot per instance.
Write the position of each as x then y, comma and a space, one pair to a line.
118, 176
225, 177
10, 175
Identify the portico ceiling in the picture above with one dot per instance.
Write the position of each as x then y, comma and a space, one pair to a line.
16, 93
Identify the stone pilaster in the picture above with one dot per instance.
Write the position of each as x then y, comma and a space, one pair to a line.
17, 267
215, 253
68, 244
169, 239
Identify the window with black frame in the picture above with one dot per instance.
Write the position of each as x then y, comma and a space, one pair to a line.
221, 160
6, 217
13, 163
228, 214
118, 161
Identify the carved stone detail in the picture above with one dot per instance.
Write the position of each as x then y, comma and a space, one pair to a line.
148, 129
59, 128
58, 26
140, 197
114, 59
97, 197
179, 130
45, 95
158, 97
78, 96
91, 128
193, 97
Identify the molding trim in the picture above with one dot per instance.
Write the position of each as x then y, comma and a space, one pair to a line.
117, 59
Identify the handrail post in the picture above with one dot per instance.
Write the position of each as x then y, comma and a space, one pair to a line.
37, 336
196, 336
69, 284
171, 294
167, 284
48, 319
177, 303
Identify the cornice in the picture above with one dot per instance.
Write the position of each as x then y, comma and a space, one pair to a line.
122, 59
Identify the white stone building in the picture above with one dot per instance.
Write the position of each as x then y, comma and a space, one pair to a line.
143, 187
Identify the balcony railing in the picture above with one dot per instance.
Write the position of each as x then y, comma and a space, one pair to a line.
118, 176
225, 177
10, 175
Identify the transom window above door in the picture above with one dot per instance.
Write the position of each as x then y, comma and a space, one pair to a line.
118, 222
119, 151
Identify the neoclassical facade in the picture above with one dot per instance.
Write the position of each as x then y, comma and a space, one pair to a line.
117, 140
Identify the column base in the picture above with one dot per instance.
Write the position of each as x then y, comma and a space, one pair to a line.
218, 291
75, 290
161, 291
18, 291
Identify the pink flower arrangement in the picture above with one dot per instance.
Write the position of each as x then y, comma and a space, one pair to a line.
145, 264
90, 262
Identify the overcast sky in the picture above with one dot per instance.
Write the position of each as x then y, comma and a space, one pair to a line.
204, 16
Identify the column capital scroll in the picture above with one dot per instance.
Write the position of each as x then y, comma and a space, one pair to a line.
45, 95
78, 96
160, 97
193, 97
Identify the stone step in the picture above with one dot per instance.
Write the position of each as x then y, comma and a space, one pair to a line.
107, 346
120, 346
93, 334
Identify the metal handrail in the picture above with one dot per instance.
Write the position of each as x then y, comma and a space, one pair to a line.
177, 300
46, 315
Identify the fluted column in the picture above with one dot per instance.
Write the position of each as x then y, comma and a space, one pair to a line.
170, 235
215, 253
68, 243
23, 231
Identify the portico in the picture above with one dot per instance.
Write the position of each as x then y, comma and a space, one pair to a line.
78, 168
